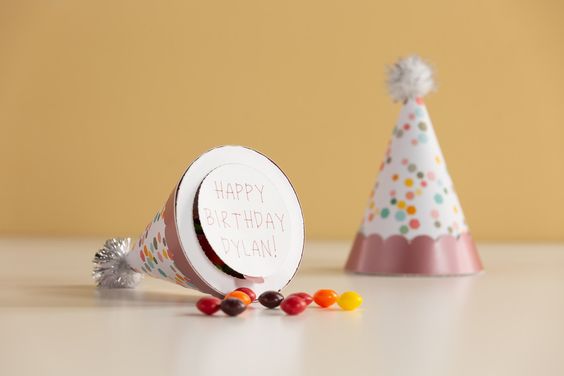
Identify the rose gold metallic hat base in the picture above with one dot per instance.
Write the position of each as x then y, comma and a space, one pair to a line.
423, 255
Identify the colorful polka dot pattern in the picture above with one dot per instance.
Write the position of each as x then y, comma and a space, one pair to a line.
414, 194
152, 256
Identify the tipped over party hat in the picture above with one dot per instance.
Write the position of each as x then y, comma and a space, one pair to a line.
233, 220
413, 223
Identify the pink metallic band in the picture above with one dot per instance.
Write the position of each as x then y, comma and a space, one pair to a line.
422, 255
178, 252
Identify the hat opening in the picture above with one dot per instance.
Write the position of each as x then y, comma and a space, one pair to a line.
206, 246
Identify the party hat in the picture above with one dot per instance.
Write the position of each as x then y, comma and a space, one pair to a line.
414, 223
233, 220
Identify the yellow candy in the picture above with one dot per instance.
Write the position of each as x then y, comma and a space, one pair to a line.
349, 300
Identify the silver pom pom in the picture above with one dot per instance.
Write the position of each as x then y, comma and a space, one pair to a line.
410, 78
110, 266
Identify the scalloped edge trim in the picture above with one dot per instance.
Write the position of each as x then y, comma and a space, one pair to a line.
423, 255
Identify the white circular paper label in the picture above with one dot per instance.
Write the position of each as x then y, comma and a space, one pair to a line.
244, 219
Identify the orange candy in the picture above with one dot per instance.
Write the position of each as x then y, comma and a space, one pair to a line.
325, 298
239, 295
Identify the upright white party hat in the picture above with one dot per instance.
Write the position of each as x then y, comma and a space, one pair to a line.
414, 223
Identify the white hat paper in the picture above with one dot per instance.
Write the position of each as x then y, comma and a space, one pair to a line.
413, 223
233, 220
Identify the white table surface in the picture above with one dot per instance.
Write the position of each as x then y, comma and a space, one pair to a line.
507, 321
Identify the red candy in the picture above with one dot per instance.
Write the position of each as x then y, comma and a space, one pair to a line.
293, 305
208, 305
250, 293
304, 295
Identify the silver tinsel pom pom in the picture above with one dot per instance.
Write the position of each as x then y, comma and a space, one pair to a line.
410, 78
110, 266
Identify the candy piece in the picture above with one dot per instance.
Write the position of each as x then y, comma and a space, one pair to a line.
293, 305
304, 295
249, 292
239, 295
325, 298
208, 305
232, 306
349, 300
271, 299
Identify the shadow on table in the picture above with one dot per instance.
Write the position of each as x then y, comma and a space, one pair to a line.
78, 296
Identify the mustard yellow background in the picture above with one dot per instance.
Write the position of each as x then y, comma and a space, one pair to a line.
104, 103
